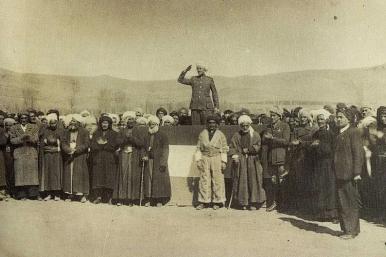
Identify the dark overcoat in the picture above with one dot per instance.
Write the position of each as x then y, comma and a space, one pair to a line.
157, 181
75, 169
104, 159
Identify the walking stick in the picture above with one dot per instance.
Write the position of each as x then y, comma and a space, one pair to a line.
141, 185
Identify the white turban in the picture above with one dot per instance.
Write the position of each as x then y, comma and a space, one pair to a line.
245, 119
85, 113
367, 121
304, 113
316, 113
114, 117
67, 119
90, 120
168, 118
153, 119
277, 110
78, 118
52, 116
138, 110
127, 115
141, 121
9, 121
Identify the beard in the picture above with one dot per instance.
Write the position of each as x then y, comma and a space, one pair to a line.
153, 130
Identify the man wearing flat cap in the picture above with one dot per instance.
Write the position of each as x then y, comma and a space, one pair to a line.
202, 103
348, 166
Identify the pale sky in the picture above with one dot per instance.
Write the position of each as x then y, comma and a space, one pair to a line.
154, 40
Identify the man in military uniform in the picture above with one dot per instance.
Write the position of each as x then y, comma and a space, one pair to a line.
202, 103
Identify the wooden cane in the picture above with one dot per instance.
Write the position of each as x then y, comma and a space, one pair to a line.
141, 186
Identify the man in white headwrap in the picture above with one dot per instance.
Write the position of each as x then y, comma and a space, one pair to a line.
157, 188
167, 120
139, 112
91, 124
142, 121
75, 145
202, 103
246, 170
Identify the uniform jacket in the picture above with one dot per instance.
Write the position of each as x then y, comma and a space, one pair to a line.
348, 154
278, 144
201, 88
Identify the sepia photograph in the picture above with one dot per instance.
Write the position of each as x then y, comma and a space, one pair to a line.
192, 128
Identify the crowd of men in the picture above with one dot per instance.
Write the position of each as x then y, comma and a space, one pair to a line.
322, 162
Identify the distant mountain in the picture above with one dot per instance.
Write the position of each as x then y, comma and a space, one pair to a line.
105, 93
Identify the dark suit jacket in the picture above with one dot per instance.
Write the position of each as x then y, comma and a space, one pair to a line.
348, 154
201, 88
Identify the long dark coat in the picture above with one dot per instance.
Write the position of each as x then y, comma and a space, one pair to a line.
3, 143
130, 144
104, 160
25, 154
324, 173
157, 183
75, 169
248, 173
379, 170
51, 165
302, 170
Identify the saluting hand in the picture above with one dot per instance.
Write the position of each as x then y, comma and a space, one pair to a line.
188, 68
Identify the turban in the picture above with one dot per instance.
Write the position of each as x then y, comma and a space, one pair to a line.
154, 119
67, 119
147, 115
381, 110
128, 114
304, 113
316, 113
141, 121
348, 113
106, 118
329, 108
114, 117
85, 113
277, 110
168, 118
89, 120
138, 110
245, 119
9, 121
200, 65
163, 110
52, 116
214, 118
79, 118
341, 106
366, 122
